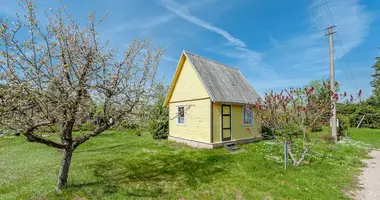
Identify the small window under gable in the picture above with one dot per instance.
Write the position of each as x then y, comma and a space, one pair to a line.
248, 117
181, 115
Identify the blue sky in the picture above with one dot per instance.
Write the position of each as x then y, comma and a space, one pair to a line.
275, 44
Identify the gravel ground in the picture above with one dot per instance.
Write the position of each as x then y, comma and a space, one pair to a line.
369, 180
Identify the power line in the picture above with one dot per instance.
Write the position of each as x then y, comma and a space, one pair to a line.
321, 24
329, 14
319, 21
343, 51
349, 68
351, 76
328, 11
350, 71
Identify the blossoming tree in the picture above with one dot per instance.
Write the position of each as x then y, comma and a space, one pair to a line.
53, 72
291, 113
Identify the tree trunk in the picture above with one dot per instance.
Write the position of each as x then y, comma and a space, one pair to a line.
65, 166
294, 159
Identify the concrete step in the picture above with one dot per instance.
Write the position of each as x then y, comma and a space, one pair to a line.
231, 146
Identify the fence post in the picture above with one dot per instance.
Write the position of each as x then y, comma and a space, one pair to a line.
360, 122
286, 154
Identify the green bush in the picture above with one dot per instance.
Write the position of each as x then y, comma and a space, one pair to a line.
159, 123
266, 132
88, 126
344, 123
4, 132
328, 138
355, 112
160, 128
125, 125
316, 128
49, 129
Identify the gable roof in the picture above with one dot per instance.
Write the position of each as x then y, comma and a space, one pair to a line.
222, 83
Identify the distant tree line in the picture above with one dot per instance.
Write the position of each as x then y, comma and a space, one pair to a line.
369, 109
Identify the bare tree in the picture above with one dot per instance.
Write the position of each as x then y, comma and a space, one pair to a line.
52, 72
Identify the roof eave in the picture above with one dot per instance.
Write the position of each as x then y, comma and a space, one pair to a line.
230, 102
174, 80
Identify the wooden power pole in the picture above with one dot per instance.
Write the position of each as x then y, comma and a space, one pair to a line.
332, 82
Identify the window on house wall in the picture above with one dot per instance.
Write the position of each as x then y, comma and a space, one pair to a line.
247, 115
181, 115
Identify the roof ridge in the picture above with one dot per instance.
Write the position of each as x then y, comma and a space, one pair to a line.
187, 52
222, 82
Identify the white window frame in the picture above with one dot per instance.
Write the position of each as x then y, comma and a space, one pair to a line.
242, 117
184, 115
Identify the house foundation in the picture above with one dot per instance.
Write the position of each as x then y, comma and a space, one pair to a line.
205, 145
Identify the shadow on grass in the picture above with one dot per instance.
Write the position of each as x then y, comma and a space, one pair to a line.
107, 148
154, 175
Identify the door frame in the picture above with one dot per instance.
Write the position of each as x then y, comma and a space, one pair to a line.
221, 123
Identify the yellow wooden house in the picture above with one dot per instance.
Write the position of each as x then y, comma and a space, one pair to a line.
210, 104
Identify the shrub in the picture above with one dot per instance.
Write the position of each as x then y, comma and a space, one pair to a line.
49, 129
316, 128
266, 132
159, 123
160, 128
328, 138
357, 111
88, 126
5, 132
344, 122
127, 125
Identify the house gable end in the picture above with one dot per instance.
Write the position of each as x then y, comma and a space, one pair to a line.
186, 84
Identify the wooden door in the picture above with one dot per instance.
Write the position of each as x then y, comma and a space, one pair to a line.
226, 122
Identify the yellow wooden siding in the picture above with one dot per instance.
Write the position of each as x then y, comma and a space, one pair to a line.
216, 118
197, 120
238, 130
188, 86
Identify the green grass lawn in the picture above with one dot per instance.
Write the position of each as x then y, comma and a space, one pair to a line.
370, 136
121, 165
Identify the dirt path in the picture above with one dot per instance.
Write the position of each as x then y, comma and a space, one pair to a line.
369, 180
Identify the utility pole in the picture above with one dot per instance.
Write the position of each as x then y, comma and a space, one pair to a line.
332, 82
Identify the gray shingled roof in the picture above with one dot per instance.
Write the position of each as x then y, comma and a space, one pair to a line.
223, 83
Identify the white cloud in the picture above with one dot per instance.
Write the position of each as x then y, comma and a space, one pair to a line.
246, 59
150, 22
169, 59
273, 41
184, 13
353, 23
305, 54
264, 85
236, 48
9, 11
143, 23
309, 48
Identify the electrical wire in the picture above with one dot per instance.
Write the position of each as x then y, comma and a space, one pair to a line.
329, 12
321, 24
326, 5
319, 21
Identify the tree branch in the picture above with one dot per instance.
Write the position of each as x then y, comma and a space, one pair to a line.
96, 132
31, 137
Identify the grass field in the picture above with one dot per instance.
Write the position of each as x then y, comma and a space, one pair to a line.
121, 165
